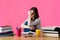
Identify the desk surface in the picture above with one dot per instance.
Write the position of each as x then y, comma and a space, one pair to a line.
28, 38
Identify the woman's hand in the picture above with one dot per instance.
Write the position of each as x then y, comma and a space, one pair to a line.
32, 28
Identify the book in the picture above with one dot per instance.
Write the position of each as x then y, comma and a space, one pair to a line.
6, 30
5, 27
7, 34
51, 34
47, 28
2, 31
27, 33
50, 27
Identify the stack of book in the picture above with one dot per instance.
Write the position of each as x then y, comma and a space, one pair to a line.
50, 32
6, 31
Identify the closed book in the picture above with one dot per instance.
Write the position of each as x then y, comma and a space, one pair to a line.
51, 31
1, 31
51, 34
25, 33
5, 27
6, 33
47, 28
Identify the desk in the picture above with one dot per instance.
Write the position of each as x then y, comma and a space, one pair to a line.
28, 38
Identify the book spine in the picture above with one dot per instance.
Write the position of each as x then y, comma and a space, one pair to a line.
5, 29
6, 32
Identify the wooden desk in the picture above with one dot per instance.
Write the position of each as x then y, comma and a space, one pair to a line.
28, 38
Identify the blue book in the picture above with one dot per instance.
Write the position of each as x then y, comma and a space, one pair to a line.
6, 33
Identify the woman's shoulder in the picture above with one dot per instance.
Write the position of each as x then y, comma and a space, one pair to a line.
38, 19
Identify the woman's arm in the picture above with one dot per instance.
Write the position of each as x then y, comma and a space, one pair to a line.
26, 26
23, 24
37, 21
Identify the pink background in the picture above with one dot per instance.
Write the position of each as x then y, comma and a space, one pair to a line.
14, 12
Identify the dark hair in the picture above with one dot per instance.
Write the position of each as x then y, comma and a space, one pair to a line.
36, 12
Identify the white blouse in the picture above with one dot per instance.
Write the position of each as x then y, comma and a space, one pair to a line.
36, 22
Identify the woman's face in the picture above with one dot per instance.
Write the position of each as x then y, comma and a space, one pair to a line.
32, 14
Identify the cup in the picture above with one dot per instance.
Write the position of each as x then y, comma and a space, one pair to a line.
38, 32
18, 32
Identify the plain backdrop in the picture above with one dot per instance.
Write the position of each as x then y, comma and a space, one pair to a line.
14, 12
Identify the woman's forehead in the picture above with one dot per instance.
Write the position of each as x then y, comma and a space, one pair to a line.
31, 11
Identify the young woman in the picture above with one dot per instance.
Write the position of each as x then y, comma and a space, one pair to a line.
33, 21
